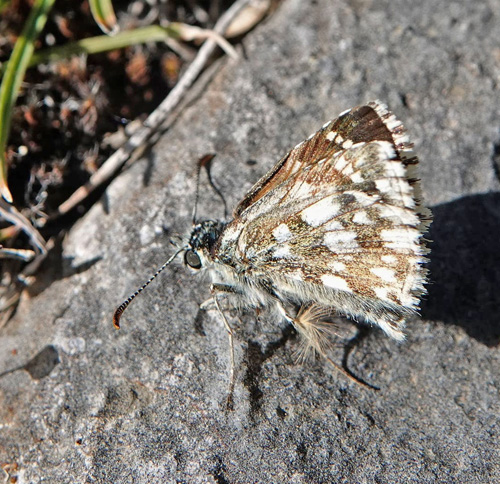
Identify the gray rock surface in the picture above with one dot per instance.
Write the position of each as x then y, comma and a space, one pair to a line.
146, 404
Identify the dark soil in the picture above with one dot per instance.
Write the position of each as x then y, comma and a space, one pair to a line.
66, 111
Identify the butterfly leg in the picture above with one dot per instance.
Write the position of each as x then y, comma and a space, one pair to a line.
208, 304
309, 324
225, 289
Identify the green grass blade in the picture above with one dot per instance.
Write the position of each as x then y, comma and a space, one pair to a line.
13, 77
3, 4
104, 43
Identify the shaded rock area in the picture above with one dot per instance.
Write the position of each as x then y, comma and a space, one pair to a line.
147, 404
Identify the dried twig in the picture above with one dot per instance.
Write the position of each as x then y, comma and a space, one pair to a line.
156, 118
21, 254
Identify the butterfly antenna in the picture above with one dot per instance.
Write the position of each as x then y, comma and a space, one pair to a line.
205, 162
124, 304
197, 194
208, 164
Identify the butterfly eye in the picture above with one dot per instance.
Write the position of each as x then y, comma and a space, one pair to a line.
192, 259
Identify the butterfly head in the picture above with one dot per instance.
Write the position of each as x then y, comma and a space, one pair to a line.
202, 243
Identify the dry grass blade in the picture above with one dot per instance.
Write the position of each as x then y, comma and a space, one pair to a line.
21, 254
158, 117
104, 16
190, 32
9, 296
10, 214
248, 18
104, 43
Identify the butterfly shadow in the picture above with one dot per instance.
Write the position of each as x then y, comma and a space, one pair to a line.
464, 266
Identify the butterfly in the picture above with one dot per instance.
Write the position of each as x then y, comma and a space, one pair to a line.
336, 226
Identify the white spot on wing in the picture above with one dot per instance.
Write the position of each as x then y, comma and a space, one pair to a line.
333, 225
363, 198
387, 149
331, 135
341, 162
337, 266
401, 239
348, 170
282, 252
282, 233
356, 177
395, 169
320, 212
385, 186
399, 215
384, 273
361, 218
335, 282
302, 190
340, 240
389, 259
396, 191
392, 123
381, 293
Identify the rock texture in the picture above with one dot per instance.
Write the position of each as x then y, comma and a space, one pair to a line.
146, 404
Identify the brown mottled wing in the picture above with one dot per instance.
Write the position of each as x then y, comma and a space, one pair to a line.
338, 220
360, 124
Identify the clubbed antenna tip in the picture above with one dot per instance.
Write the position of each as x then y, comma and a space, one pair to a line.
118, 315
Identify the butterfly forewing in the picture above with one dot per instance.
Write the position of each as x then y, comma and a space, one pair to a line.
337, 221
361, 124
